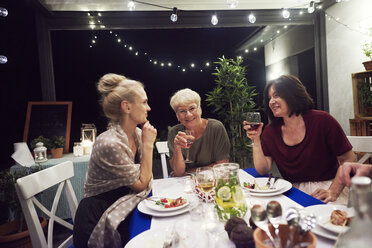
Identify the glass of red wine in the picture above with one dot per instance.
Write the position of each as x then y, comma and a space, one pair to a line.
253, 120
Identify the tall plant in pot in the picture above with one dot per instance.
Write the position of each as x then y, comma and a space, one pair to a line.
367, 50
232, 97
56, 146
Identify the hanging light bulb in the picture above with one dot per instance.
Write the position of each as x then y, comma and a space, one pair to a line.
3, 59
131, 6
174, 16
3, 12
214, 19
251, 18
232, 3
311, 7
285, 13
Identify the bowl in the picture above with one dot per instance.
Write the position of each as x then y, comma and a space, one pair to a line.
260, 237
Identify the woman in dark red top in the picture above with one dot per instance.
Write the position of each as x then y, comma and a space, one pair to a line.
307, 145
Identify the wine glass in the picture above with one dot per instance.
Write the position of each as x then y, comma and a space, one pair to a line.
189, 144
253, 120
205, 178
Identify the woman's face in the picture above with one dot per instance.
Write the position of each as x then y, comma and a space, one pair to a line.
278, 105
139, 107
189, 115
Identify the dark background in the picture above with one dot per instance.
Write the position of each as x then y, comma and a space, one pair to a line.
78, 67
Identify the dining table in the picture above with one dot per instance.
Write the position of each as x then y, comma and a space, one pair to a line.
149, 230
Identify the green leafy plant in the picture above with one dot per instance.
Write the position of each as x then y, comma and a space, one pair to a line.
367, 49
365, 93
57, 142
42, 139
8, 196
232, 97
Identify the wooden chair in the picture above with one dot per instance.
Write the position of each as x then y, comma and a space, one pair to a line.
29, 186
163, 150
362, 144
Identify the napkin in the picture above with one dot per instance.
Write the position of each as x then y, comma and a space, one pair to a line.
22, 155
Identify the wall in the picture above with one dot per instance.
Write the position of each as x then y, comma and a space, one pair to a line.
344, 54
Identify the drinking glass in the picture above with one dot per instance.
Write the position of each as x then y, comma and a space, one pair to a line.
253, 119
205, 178
189, 144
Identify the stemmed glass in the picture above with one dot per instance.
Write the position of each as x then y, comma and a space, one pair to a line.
189, 144
205, 178
253, 119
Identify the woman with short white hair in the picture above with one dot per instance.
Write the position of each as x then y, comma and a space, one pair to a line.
211, 143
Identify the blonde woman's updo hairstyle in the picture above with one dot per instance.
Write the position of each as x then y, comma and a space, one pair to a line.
114, 89
184, 97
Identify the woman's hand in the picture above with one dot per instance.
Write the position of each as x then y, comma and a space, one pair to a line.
181, 139
148, 133
325, 195
254, 135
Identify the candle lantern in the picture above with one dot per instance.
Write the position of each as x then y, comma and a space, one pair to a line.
40, 153
88, 136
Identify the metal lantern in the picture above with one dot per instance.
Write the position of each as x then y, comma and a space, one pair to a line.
40, 153
88, 136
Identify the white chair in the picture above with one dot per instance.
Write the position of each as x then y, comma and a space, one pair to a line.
163, 150
29, 186
362, 144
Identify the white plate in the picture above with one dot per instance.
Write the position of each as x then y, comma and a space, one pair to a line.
150, 238
261, 181
152, 205
323, 214
144, 209
285, 186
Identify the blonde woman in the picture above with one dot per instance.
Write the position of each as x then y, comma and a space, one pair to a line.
211, 143
120, 165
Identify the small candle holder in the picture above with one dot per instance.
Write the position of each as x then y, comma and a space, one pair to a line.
78, 149
40, 153
88, 136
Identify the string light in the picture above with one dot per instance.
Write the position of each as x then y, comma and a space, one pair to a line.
251, 18
3, 12
3, 59
232, 4
311, 7
174, 16
131, 5
214, 20
285, 13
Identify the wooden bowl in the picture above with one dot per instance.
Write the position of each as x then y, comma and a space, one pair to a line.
259, 236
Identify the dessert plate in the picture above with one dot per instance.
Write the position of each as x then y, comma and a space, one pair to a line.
144, 209
152, 204
260, 185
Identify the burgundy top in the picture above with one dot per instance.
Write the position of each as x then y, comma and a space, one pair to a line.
315, 157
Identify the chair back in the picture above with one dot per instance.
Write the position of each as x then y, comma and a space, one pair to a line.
362, 144
29, 186
163, 150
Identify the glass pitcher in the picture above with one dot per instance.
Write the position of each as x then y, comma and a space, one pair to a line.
229, 196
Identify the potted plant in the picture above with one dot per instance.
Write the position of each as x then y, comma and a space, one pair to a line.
367, 49
56, 146
365, 93
41, 139
232, 97
13, 230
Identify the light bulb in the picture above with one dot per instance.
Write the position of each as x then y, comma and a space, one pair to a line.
3, 12
131, 6
285, 13
174, 16
251, 18
3, 59
232, 3
311, 7
214, 20
338, 1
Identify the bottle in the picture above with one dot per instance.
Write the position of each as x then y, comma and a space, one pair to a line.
359, 233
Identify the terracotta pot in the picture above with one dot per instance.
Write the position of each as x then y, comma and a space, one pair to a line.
10, 237
368, 65
56, 152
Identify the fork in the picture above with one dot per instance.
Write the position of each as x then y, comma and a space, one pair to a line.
273, 185
268, 184
150, 199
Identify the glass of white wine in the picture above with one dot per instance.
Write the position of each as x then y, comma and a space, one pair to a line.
205, 178
189, 144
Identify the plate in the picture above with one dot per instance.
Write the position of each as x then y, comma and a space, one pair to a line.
323, 213
144, 209
153, 206
150, 238
261, 181
285, 186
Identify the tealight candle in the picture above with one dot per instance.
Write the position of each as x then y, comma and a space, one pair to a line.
87, 146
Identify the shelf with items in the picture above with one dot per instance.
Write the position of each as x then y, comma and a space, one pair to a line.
360, 110
360, 127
